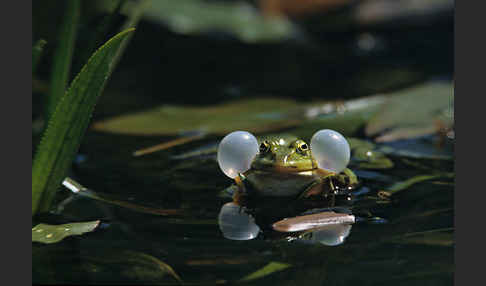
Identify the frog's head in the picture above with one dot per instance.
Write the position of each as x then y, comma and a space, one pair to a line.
284, 154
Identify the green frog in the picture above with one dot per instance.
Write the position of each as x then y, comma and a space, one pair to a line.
285, 167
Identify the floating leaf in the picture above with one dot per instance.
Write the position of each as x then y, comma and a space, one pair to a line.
365, 156
61, 64
427, 147
414, 112
266, 270
435, 237
306, 222
236, 18
46, 233
254, 115
68, 123
400, 186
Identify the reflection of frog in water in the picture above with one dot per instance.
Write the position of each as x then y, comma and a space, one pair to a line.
285, 167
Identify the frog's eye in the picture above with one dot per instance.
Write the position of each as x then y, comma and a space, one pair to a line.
236, 152
331, 150
264, 147
302, 147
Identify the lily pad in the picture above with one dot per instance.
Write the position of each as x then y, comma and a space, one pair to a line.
46, 233
414, 112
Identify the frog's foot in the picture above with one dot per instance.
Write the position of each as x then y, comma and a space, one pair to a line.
239, 182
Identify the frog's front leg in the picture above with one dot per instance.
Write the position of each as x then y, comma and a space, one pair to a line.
321, 186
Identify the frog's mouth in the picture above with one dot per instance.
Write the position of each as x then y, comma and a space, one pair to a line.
285, 167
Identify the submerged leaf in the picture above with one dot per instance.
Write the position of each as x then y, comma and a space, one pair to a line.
414, 112
68, 123
266, 270
46, 233
79, 189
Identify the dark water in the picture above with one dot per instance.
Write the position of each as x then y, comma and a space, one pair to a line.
414, 246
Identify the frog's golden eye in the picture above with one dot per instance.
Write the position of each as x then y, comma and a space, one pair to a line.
264, 147
303, 147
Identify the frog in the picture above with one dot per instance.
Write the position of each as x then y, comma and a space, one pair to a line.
285, 167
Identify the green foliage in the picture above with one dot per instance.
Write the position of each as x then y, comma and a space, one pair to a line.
414, 112
236, 18
68, 123
37, 50
45, 233
266, 270
61, 64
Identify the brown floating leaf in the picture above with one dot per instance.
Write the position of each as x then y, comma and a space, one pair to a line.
167, 145
306, 222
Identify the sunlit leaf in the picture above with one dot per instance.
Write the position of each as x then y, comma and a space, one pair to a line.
68, 123
266, 270
414, 112
254, 115
46, 233
306, 222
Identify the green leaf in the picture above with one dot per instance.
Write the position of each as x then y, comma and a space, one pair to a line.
68, 124
254, 115
258, 115
266, 270
37, 50
414, 112
400, 186
46, 233
237, 18
61, 64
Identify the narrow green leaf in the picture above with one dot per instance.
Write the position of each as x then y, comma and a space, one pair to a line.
37, 50
68, 124
266, 270
399, 186
61, 64
46, 233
